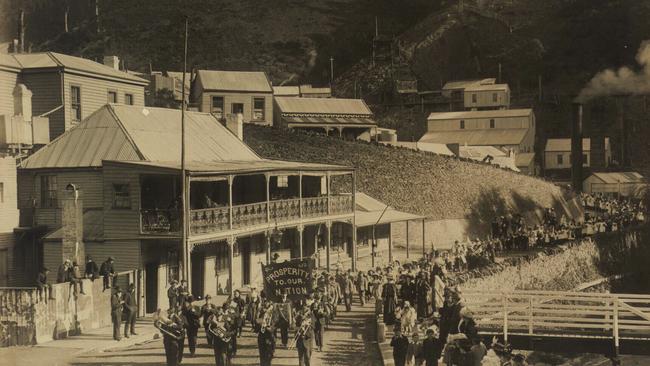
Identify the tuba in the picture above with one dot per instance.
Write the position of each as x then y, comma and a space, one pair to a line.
169, 326
219, 330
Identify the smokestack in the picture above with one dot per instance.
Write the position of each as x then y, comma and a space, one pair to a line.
576, 147
623, 127
112, 61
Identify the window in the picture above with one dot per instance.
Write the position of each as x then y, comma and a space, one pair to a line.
585, 159
217, 107
222, 257
48, 191
474, 98
495, 97
560, 159
492, 124
283, 181
258, 109
128, 99
75, 102
112, 96
237, 108
121, 196
462, 124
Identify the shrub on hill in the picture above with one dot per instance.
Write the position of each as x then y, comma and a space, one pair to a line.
438, 187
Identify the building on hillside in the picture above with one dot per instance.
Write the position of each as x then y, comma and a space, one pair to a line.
347, 118
557, 154
125, 163
482, 97
67, 88
171, 81
375, 220
525, 162
511, 129
234, 92
454, 91
628, 184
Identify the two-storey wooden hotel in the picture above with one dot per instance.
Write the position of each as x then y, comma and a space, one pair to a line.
124, 162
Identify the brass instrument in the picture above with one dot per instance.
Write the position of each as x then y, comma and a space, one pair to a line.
267, 320
169, 327
219, 330
304, 328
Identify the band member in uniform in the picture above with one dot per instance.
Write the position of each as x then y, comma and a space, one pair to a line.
171, 326
319, 313
206, 310
232, 319
221, 341
117, 303
266, 342
253, 306
241, 307
192, 316
285, 318
304, 335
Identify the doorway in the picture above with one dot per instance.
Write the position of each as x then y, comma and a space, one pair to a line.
246, 262
198, 265
151, 286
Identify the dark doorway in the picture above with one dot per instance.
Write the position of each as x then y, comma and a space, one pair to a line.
198, 264
151, 285
246, 262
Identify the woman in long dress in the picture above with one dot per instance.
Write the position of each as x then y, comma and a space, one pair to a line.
389, 295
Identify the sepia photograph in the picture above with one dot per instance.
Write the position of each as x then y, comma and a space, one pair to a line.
324, 182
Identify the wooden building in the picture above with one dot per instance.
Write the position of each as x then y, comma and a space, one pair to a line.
125, 161
512, 129
490, 96
347, 118
67, 88
627, 184
557, 154
234, 92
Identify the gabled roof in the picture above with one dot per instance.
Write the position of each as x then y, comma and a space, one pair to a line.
8, 61
620, 177
135, 133
325, 106
497, 113
496, 137
246, 81
462, 84
46, 60
564, 144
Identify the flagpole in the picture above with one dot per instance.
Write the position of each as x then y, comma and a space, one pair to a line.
184, 186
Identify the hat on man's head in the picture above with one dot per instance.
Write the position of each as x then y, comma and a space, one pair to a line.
111, 258
207, 296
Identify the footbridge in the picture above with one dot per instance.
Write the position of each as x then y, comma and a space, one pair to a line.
604, 323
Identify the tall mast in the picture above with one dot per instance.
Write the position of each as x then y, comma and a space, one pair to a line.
184, 186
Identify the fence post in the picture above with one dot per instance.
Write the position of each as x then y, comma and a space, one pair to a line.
615, 329
530, 315
505, 318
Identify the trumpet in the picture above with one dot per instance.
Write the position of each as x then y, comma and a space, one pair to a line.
304, 327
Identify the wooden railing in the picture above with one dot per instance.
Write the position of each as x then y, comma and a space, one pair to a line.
315, 206
209, 220
565, 314
157, 221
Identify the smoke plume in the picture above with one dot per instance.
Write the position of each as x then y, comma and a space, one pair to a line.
624, 81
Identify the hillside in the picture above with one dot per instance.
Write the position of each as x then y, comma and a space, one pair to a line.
435, 186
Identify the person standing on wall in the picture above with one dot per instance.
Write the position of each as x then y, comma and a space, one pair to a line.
131, 310
117, 303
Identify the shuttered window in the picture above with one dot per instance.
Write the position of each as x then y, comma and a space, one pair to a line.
48, 191
121, 196
75, 102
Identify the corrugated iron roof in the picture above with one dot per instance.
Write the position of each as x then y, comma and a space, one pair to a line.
286, 91
54, 59
121, 132
326, 106
9, 61
565, 144
462, 84
524, 159
620, 177
488, 87
330, 120
497, 113
248, 81
308, 89
370, 211
199, 167
477, 137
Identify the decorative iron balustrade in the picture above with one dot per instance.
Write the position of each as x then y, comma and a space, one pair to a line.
285, 210
156, 221
249, 215
341, 204
209, 220
315, 206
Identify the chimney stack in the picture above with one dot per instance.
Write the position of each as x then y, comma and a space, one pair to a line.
235, 123
23, 102
623, 127
112, 61
576, 147
72, 244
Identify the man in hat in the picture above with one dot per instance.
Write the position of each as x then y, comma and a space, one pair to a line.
108, 272
92, 271
63, 274
400, 344
192, 322
305, 337
131, 309
253, 307
449, 314
206, 311
172, 294
346, 289
241, 308
467, 325
221, 346
41, 283
285, 318
334, 294
362, 287
183, 292
266, 344
76, 280
117, 303
423, 289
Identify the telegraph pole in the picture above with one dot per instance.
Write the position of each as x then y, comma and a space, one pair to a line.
331, 71
184, 186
